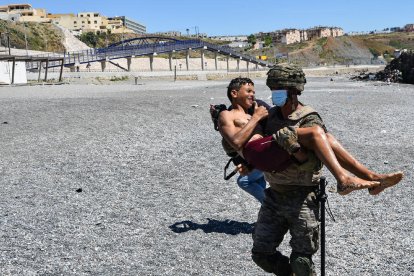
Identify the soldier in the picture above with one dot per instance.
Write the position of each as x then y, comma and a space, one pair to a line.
290, 201
236, 126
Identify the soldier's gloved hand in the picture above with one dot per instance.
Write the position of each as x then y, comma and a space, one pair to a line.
313, 164
287, 139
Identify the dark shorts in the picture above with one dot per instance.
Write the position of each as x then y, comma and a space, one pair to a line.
266, 155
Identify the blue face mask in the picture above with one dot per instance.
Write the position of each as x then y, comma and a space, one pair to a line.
279, 97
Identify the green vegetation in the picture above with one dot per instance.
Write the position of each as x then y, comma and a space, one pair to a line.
90, 39
297, 46
374, 52
322, 41
268, 41
251, 39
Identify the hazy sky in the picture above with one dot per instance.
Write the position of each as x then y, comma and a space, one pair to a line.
236, 17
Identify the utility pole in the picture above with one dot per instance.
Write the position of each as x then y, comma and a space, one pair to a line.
196, 31
25, 37
8, 42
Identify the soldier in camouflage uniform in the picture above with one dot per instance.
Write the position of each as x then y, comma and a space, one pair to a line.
290, 202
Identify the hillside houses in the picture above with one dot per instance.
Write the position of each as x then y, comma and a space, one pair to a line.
77, 23
289, 36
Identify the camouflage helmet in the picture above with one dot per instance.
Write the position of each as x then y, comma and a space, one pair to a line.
286, 76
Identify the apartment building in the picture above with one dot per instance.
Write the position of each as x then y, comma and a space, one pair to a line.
90, 22
409, 27
130, 24
319, 32
230, 38
23, 12
82, 22
289, 36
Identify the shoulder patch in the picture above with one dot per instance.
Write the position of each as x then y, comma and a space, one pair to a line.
301, 113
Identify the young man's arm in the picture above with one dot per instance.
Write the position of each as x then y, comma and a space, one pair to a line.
236, 137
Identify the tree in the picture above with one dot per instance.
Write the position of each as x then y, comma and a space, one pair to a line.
268, 41
251, 39
89, 39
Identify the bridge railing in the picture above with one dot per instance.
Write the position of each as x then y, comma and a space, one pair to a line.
122, 51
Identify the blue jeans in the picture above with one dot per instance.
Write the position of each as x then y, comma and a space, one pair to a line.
253, 183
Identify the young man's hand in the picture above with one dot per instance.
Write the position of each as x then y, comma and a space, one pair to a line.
260, 112
243, 169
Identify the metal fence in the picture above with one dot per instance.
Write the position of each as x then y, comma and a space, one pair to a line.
124, 51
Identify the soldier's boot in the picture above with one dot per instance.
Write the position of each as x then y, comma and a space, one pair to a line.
302, 265
275, 263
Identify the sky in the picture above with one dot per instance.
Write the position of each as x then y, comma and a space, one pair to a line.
239, 17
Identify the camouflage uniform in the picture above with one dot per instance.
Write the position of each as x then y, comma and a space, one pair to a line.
290, 205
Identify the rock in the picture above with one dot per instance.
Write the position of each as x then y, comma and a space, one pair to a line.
400, 69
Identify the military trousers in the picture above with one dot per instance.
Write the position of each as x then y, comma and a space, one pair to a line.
294, 211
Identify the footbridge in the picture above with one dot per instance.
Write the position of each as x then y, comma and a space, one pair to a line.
149, 46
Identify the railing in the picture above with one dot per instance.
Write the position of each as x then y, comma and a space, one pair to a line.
123, 51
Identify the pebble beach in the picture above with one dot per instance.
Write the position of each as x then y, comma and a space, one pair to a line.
126, 178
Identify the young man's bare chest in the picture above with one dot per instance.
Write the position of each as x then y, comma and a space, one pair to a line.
241, 120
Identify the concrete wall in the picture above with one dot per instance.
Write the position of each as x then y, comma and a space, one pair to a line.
6, 69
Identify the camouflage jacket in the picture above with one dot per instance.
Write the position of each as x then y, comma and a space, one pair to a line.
292, 176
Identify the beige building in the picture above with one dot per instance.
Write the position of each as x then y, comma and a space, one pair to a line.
89, 22
289, 36
84, 21
24, 12
319, 32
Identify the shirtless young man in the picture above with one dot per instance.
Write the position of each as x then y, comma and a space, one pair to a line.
238, 128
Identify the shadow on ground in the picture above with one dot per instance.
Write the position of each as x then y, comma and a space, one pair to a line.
230, 227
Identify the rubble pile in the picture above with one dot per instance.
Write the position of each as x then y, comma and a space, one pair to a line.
400, 69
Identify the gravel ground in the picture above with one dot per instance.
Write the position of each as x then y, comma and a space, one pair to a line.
127, 180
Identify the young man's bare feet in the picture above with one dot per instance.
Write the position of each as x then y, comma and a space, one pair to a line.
386, 181
352, 183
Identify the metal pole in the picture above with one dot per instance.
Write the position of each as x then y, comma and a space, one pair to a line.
25, 37
322, 199
40, 71
8, 43
61, 69
47, 66
175, 72
13, 70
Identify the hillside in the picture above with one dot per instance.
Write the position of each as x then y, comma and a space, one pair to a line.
41, 37
362, 49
